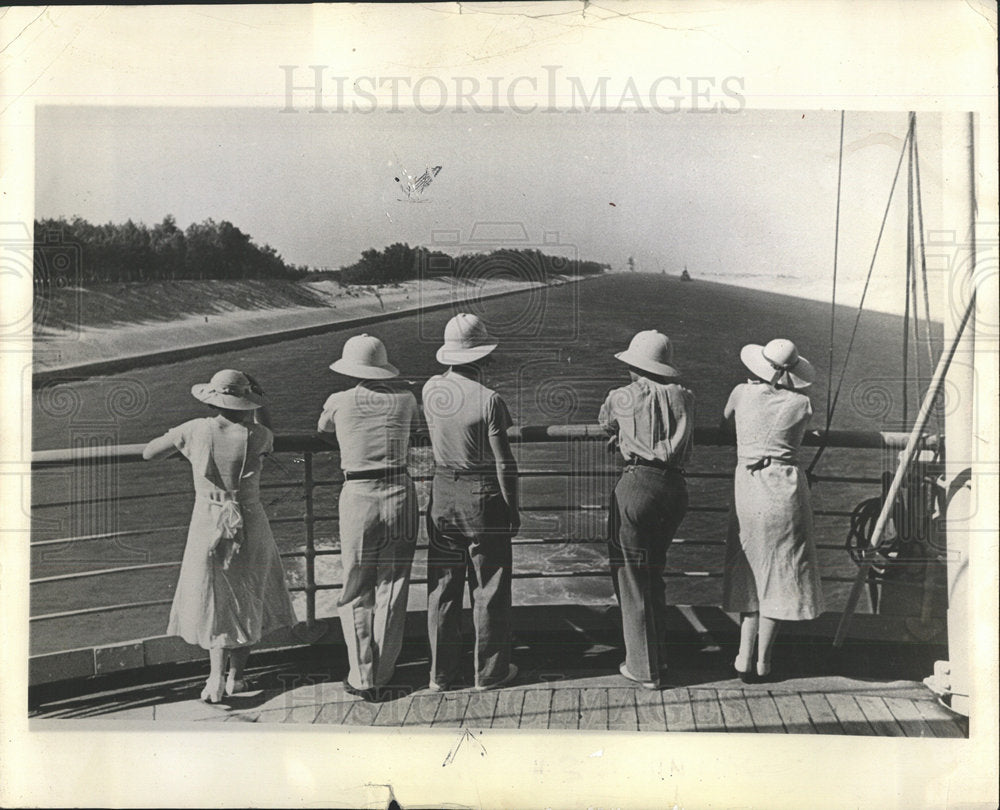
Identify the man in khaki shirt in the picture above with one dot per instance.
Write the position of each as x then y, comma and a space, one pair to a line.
653, 421
378, 510
473, 512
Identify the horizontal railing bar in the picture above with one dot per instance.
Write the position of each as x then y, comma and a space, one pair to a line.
99, 572
528, 434
332, 552
87, 538
325, 518
106, 609
564, 541
147, 495
521, 474
423, 581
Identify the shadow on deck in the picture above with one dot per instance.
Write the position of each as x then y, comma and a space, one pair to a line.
568, 680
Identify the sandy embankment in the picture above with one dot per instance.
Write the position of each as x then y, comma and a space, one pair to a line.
98, 350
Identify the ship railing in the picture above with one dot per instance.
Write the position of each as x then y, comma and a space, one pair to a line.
586, 439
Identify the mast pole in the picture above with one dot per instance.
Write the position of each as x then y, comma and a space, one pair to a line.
953, 677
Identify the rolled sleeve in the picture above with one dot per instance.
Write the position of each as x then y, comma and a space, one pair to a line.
606, 417
327, 423
497, 416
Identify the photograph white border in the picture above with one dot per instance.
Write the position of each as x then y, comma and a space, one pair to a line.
934, 55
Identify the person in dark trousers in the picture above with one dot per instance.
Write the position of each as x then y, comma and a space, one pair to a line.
652, 420
473, 512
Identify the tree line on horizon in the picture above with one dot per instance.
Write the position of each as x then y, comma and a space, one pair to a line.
400, 262
112, 252
76, 252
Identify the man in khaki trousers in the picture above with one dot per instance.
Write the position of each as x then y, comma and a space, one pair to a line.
378, 510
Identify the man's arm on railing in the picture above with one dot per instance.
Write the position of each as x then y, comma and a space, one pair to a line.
507, 475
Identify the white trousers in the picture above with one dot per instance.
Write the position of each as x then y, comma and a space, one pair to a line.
378, 532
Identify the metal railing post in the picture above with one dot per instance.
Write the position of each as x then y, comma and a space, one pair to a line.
310, 557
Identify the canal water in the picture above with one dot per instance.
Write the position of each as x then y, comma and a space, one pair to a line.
554, 366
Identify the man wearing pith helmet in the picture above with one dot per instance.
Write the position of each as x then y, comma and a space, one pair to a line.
378, 510
652, 419
473, 512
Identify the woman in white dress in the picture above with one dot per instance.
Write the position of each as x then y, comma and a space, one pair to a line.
771, 574
231, 589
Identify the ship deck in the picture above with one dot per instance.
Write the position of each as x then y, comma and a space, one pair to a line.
568, 680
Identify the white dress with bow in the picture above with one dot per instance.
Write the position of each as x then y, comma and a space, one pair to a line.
231, 589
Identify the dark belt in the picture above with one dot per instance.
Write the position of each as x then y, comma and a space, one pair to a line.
451, 472
374, 475
655, 464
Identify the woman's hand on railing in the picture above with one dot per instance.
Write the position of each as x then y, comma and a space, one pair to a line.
160, 447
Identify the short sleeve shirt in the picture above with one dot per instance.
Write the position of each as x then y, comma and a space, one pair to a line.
372, 423
769, 421
461, 416
653, 421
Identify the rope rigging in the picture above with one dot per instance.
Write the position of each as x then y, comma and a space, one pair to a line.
907, 539
861, 303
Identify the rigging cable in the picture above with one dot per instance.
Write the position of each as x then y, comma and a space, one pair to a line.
909, 274
923, 272
861, 303
833, 295
912, 270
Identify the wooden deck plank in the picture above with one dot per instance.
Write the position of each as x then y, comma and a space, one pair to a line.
479, 712
564, 711
908, 716
422, 709
821, 713
649, 710
273, 715
393, 712
302, 714
334, 712
851, 718
795, 715
451, 710
879, 716
677, 710
941, 721
766, 717
535, 709
594, 709
706, 709
508, 709
362, 713
735, 711
621, 710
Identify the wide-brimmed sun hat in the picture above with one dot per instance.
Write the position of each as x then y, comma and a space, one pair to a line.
465, 341
228, 389
779, 363
364, 356
650, 351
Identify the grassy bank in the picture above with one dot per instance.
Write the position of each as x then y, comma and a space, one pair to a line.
102, 305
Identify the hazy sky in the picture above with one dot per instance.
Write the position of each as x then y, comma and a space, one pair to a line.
748, 196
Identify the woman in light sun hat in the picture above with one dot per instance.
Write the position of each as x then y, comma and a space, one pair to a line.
652, 419
231, 589
378, 510
473, 512
771, 573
